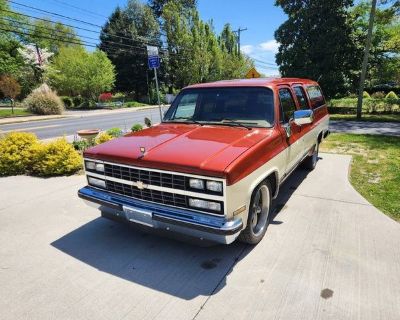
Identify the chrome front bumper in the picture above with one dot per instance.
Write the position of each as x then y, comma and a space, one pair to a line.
162, 217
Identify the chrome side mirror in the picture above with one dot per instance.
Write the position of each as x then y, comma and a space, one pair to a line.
301, 117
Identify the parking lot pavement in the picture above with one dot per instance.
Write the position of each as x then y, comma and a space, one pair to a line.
328, 254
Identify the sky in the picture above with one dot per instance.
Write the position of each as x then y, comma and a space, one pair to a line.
260, 17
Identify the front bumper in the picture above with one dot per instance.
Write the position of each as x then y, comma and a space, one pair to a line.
170, 219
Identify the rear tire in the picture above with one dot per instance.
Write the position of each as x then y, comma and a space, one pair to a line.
259, 214
311, 161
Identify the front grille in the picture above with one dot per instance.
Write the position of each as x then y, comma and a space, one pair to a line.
147, 194
166, 180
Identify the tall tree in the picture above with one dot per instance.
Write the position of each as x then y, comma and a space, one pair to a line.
124, 38
317, 41
158, 5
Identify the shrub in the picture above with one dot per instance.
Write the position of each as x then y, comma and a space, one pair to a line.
105, 97
9, 87
17, 149
56, 158
136, 127
81, 145
378, 95
391, 96
119, 96
77, 101
114, 132
366, 94
103, 137
40, 102
67, 101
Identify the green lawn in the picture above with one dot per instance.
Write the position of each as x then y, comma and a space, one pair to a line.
375, 168
368, 117
5, 113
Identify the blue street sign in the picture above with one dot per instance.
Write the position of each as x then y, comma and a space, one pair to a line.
154, 62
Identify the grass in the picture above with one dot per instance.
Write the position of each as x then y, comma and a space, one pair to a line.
368, 117
6, 113
375, 168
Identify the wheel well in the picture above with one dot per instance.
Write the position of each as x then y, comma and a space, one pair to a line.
273, 179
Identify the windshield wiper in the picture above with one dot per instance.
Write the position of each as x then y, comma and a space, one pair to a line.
235, 123
187, 120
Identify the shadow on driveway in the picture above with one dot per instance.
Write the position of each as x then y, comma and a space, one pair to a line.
177, 268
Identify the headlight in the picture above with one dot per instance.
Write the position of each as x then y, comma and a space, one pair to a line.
196, 184
214, 186
97, 182
204, 204
90, 165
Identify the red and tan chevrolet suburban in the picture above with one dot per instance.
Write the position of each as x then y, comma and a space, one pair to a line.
213, 165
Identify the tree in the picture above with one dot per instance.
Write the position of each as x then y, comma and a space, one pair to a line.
10, 89
158, 5
52, 35
317, 41
74, 71
124, 38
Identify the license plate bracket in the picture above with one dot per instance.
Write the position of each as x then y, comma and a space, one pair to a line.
140, 216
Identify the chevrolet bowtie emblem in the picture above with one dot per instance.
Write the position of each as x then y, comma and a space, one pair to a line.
140, 185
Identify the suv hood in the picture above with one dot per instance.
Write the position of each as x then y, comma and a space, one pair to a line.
205, 150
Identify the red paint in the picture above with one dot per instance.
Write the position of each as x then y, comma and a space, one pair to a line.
220, 151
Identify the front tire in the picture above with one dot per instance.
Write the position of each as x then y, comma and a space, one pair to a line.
259, 214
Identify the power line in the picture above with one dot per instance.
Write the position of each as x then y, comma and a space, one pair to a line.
78, 8
55, 14
79, 28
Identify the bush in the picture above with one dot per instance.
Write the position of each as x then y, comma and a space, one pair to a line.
391, 96
81, 145
40, 102
366, 95
119, 96
137, 127
103, 137
17, 150
378, 95
114, 132
67, 101
105, 97
77, 101
56, 158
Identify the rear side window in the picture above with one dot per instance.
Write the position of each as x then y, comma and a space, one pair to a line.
287, 105
316, 97
301, 97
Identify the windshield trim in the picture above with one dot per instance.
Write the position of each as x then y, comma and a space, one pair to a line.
173, 106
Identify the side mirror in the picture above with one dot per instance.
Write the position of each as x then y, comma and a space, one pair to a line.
147, 122
301, 117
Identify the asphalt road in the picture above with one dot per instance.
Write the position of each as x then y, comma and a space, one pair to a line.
328, 254
68, 126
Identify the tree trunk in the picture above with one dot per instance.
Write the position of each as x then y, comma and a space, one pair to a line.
365, 60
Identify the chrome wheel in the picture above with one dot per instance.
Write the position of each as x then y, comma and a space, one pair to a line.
260, 210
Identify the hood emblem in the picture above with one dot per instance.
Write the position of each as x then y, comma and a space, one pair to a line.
142, 151
140, 185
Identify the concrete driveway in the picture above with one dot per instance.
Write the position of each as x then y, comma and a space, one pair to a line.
327, 255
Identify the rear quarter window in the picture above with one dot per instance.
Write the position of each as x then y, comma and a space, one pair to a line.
316, 97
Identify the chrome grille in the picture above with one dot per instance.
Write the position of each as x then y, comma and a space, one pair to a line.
166, 180
147, 194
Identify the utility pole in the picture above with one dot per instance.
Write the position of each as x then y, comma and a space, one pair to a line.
365, 60
238, 31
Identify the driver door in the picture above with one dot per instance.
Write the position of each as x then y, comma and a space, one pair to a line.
289, 129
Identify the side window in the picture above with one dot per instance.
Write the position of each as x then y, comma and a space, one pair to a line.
301, 97
186, 106
316, 97
287, 105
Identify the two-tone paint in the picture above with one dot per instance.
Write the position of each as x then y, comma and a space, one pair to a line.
239, 157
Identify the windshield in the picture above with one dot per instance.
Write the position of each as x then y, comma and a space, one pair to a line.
239, 106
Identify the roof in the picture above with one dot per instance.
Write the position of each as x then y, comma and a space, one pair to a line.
256, 82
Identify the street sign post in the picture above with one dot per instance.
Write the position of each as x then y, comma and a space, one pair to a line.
153, 61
